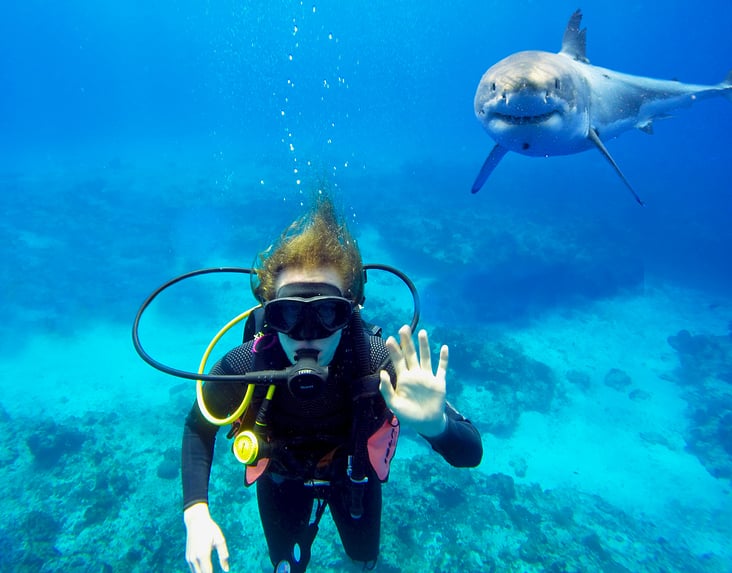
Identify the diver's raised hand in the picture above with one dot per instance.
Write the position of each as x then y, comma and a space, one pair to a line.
203, 535
419, 396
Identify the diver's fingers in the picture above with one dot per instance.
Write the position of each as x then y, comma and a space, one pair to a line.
200, 565
442, 366
219, 542
395, 353
425, 356
408, 349
198, 556
386, 389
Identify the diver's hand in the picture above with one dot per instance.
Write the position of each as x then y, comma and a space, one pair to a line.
203, 535
419, 396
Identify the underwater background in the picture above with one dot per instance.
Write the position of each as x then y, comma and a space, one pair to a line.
590, 338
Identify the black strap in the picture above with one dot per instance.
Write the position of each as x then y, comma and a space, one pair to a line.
309, 534
365, 387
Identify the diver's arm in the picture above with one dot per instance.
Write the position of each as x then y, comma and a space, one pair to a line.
203, 534
460, 442
199, 435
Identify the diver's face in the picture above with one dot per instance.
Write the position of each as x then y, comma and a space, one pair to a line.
292, 278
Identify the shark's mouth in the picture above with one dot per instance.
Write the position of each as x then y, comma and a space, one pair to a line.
524, 119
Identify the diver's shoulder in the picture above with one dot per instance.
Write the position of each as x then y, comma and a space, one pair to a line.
238, 360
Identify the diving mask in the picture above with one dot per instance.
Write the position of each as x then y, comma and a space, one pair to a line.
308, 318
308, 311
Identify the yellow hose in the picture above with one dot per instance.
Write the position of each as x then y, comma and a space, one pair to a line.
199, 384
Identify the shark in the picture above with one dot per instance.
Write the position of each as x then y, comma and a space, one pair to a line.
545, 104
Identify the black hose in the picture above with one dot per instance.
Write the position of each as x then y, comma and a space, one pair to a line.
263, 377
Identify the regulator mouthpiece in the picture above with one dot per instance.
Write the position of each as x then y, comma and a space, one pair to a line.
306, 378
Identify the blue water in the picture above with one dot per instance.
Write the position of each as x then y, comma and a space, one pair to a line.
142, 140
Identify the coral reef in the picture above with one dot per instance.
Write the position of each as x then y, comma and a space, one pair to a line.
495, 524
85, 500
105, 507
705, 373
509, 381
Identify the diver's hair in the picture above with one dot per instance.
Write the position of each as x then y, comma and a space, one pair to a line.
317, 239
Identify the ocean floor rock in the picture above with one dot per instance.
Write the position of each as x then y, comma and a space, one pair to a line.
580, 379
616, 378
52, 442
169, 467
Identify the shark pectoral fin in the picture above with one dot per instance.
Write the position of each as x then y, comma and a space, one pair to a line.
594, 138
489, 165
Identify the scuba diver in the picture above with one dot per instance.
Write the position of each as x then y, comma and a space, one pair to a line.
326, 437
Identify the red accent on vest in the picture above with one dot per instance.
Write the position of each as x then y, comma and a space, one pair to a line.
382, 446
253, 473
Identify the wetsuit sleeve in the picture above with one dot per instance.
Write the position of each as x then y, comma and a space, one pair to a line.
199, 435
460, 443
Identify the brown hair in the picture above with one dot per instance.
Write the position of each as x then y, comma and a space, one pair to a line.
315, 240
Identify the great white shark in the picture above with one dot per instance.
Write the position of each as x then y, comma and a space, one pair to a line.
542, 104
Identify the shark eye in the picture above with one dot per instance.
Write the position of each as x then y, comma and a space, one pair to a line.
493, 86
557, 84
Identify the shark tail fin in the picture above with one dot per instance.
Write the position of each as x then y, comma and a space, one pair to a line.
727, 84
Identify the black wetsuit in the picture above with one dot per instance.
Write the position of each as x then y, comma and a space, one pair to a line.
312, 431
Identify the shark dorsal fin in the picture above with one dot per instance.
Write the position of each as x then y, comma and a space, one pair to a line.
574, 42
